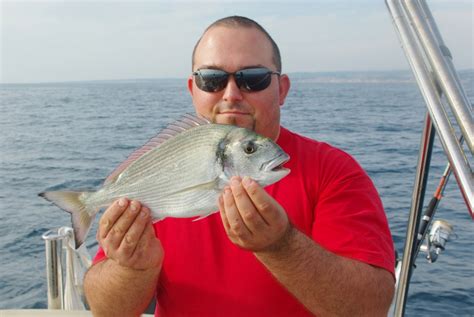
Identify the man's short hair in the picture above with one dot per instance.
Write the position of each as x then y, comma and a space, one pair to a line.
236, 21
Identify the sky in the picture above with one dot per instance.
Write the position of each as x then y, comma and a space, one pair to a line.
55, 41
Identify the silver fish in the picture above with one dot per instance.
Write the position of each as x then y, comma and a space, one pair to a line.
179, 173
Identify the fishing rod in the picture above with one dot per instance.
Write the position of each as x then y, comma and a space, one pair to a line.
440, 230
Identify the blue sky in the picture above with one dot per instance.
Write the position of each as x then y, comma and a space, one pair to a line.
44, 41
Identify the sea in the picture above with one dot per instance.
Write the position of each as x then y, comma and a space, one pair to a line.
71, 135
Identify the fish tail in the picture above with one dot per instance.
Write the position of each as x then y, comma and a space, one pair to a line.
80, 215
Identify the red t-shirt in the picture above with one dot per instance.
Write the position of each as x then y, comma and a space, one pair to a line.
327, 196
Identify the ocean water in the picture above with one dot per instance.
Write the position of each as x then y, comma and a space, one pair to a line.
72, 135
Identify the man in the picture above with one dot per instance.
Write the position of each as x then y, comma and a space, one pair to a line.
315, 243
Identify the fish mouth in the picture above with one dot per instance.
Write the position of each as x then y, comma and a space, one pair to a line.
276, 164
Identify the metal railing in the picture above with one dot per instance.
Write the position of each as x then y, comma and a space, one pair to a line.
65, 269
431, 63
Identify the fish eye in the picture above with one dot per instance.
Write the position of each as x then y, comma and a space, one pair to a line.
250, 147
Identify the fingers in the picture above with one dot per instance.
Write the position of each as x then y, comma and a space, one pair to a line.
271, 211
127, 236
111, 215
120, 227
251, 217
234, 220
261, 200
143, 241
239, 216
134, 233
245, 207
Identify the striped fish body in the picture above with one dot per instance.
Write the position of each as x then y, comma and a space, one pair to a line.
179, 173
180, 178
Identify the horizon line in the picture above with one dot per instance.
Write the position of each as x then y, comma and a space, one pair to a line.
72, 81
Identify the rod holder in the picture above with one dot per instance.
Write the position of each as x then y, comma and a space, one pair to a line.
54, 271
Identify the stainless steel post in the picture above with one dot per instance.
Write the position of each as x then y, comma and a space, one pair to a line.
452, 148
415, 214
430, 61
428, 34
54, 271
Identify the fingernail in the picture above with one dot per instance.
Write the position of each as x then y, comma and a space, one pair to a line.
122, 202
133, 206
144, 214
247, 181
234, 181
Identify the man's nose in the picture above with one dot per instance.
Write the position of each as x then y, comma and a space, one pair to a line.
232, 92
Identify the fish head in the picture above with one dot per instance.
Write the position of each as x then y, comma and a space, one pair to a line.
250, 154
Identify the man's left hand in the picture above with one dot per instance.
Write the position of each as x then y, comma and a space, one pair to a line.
252, 219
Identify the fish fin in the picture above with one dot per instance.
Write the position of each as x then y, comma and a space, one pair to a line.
186, 122
80, 215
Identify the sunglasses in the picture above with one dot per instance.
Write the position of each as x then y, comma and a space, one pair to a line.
248, 79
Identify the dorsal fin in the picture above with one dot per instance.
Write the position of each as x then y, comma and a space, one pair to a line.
186, 122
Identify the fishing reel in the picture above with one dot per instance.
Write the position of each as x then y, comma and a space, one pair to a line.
440, 233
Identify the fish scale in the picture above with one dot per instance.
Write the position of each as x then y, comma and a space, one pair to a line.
166, 156
159, 169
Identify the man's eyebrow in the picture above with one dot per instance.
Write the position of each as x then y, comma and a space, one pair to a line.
253, 66
209, 67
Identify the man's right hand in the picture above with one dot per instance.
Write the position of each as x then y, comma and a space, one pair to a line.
124, 284
127, 237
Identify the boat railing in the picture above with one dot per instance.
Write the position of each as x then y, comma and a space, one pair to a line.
449, 113
65, 269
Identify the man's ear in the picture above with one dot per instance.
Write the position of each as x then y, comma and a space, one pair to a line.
190, 85
284, 88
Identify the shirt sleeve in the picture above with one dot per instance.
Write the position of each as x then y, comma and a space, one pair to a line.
349, 216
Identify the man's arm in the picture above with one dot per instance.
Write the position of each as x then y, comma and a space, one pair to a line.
325, 283
124, 283
328, 284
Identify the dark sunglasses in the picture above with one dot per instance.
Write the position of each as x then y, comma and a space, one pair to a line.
248, 79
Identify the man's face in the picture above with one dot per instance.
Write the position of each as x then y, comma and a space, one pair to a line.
232, 49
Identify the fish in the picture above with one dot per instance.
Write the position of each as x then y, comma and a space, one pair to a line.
179, 173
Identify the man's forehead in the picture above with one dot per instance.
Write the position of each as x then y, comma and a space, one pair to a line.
249, 44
